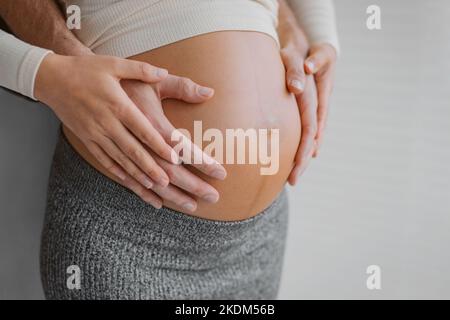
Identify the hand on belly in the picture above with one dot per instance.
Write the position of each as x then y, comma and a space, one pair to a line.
251, 104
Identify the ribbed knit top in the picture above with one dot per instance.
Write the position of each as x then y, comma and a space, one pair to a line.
19, 64
126, 28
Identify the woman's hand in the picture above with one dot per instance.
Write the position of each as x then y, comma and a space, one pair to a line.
294, 49
183, 183
321, 63
307, 104
87, 96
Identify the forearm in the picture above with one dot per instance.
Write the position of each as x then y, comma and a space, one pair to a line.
19, 63
41, 23
317, 19
288, 29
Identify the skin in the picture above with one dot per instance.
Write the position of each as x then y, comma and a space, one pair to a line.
313, 118
250, 93
322, 64
128, 161
99, 128
246, 96
303, 62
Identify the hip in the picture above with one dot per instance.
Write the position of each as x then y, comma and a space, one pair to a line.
126, 249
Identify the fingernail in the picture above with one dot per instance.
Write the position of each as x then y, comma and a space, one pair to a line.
206, 92
297, 84
148, 183
189, 207
157, 206
151, 202
161, 73
212, 198
120, 174
310, 66
219, 174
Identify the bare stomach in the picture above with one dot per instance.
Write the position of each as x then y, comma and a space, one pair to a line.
248, 76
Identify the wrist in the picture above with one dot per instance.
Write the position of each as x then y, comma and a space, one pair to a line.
292, 36
326, 47
297, 41
80, 50
45, 76
68, 46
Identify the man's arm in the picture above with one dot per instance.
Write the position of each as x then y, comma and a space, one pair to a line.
286, 23
318, 21
41, 23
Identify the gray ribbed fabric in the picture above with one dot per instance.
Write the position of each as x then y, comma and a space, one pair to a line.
126, 249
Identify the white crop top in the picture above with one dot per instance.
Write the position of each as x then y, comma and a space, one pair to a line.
128, 27
125, 28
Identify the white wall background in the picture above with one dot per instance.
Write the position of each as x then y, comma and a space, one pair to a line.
378, 194
380, 191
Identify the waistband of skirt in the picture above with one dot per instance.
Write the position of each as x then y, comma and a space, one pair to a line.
83, 183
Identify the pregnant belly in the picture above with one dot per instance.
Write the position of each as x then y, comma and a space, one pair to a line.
248, 76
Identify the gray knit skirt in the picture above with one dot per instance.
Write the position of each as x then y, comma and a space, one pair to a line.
100, 241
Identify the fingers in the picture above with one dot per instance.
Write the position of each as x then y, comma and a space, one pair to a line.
208, 166
321, 63
186, 180
146, 195
299, 169
191, 154
155, 196
136, 70
123, 178
174, 195
324, 88
304, 154
106, 161
178, 88
132, 156
145, 132
308, 115
126, 163
320, 56
324, 83
184, 89
295, 75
